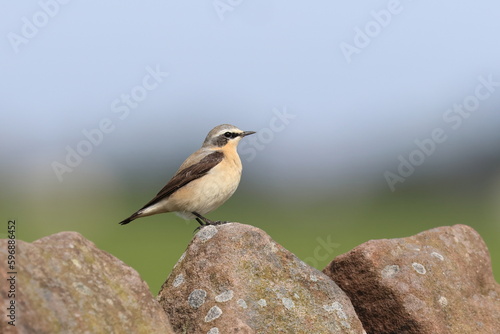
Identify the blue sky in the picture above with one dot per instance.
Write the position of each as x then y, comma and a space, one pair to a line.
68, 66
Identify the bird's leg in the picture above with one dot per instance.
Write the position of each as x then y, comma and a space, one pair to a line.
203, 221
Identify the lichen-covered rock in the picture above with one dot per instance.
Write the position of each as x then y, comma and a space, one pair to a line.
438, 281
234, 278
64, 284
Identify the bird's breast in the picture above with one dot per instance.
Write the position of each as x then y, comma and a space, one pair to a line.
224, 178
211, 190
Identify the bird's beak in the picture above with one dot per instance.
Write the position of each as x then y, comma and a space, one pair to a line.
247, 133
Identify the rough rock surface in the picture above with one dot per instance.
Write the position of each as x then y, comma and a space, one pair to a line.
234, 278
66, 285
438, 281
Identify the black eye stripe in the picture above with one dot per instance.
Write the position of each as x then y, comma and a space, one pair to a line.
231, 134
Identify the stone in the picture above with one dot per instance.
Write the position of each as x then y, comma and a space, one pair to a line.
438, 281
65, 284
236, 279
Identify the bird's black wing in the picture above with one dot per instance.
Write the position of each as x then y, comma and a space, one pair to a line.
187, 175
182, 178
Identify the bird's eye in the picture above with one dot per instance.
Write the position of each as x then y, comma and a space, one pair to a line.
228, 135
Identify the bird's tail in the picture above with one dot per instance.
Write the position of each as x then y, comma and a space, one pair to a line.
129, 219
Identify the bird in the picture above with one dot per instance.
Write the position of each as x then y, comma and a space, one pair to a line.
203, 182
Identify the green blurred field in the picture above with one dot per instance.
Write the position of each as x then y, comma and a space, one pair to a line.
152, 245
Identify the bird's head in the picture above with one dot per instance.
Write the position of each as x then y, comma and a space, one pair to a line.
225, 134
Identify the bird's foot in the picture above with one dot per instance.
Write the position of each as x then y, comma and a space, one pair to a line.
211, 223
203, 221
219, 222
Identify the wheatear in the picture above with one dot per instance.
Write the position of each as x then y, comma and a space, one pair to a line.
204, 181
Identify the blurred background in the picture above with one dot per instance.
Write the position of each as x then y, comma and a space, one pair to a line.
377, 119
